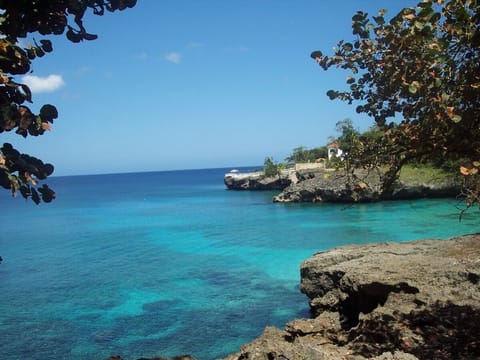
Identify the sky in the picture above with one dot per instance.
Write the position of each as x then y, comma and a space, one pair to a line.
190, 84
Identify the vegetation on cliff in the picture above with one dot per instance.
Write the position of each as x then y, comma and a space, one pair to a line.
302, 154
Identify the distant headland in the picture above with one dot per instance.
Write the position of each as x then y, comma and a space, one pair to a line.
313, 182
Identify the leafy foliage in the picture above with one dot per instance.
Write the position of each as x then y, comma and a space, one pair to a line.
303, 155
349, 137
418, 76
271, 168
20, 19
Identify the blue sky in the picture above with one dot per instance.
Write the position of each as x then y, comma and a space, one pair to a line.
183, 84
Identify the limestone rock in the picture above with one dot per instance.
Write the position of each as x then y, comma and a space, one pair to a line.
331, 186
391, 301
257, 181
336, 186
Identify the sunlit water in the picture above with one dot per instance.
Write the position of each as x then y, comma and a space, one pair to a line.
171, 262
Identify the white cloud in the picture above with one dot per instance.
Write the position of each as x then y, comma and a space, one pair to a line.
39, 84
173, 57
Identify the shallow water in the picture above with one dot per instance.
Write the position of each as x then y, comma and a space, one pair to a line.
167, 263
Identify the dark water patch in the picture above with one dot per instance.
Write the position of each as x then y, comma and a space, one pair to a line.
88, 317
49, 339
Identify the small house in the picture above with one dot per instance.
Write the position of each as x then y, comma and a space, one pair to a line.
334, 151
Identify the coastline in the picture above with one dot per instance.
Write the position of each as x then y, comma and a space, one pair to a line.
336, 186
286, 234
421, 301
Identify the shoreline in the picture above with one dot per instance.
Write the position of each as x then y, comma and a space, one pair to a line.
335, 186
422, 301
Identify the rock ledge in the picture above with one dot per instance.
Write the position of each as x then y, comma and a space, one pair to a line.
404, 301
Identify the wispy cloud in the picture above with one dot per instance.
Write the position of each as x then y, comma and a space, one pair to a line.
141, 56
173, 57
83, 70
194, 45
46, 84
237, 49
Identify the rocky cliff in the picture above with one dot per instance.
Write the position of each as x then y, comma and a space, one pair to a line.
328, 185
336, 186
257, 181
404, 301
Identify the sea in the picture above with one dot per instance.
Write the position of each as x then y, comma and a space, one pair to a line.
168, 263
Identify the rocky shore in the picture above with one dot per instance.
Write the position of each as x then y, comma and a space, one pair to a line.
390, 301
403, 301
328, 185
416, 300
257, 181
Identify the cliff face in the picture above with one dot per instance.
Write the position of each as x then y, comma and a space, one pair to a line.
334, 186
329, 186
416, 300
257, 181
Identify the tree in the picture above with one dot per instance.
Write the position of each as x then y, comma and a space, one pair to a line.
21, 19
418, 76
303, 155
349, 136
317, 153
270, 167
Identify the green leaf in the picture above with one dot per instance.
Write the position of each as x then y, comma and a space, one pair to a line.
348, 47
46, 45
88, 36
379, 20
27, 92
456, 118
35, 196
358, 17
413, 87
435, 17
419, 25
426, 12
332, 94
48, 113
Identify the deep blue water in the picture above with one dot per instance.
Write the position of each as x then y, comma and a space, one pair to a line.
167, 263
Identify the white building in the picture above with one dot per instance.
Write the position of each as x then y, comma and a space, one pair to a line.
334, 151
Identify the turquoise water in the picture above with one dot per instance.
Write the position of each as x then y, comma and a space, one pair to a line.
171, 262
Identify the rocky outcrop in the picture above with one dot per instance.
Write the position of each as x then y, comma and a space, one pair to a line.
336, 186
258, 181
404, 301
328, 185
